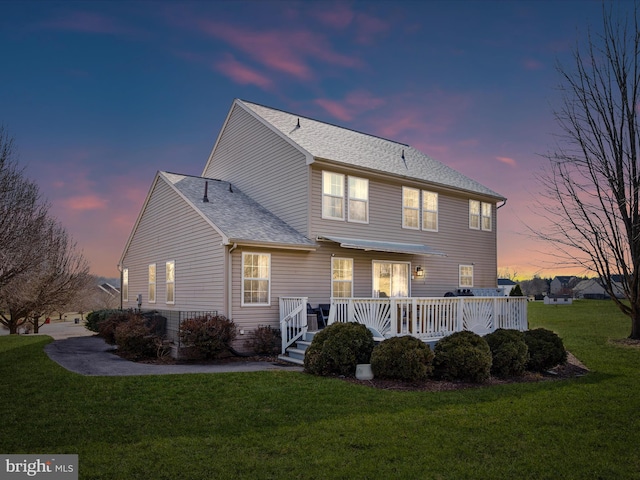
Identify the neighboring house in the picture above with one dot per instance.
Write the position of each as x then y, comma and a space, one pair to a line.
506, 285
592, 288
288, 206
563, 285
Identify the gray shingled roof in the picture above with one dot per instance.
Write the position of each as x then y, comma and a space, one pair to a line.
330, 142
237, 216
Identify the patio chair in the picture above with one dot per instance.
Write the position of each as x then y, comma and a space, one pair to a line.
323, 314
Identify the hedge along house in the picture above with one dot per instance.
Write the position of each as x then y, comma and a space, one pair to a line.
291, 212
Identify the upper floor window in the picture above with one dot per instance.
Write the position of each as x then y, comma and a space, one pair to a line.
429, 211
358, 199
335, 197
341, 277
256, 279
152, 283
332, 195
466, 276
410, 208
480, 215
171, 281
125, 284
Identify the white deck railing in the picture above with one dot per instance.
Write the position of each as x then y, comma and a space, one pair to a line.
293, 319
430, 318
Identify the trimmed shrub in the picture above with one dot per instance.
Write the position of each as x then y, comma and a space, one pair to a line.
337, 349
107, 327
265, 340
546, 349
509, 352
135, 339
207, 337
94, 318
402, 358
463, 356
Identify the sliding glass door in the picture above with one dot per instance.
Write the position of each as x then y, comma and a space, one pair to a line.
390, 279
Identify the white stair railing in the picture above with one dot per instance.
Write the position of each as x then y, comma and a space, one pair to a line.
293, 319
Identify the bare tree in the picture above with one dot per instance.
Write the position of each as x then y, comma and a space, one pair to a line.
593, 181
40, 267
23, 215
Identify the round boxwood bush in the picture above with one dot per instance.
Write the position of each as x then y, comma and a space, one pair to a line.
402, 358
338, 348
509, 351
463, 356
546, 349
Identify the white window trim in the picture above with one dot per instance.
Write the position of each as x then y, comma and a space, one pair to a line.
460, 267
324, 214
423, 211
366, 201
152, 284
242, 302
170, 282
418, 209
125, 285
332, 280
483, 216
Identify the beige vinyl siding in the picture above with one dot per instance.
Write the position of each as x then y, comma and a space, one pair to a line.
264, 166
170, 230
454, 238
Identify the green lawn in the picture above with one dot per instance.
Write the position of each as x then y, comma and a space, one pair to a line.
292, 425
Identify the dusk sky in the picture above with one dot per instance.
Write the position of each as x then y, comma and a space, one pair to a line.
101, 95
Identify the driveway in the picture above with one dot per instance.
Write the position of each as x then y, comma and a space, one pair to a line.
81, 351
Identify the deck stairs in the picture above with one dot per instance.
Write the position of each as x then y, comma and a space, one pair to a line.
295, 353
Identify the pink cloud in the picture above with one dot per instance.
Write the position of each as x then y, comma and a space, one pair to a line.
368, 27
531, 64
507, 161
242, 74
283, 51
85, 203
354, 104
339, 16
88, 22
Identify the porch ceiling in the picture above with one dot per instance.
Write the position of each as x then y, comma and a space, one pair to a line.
376, 246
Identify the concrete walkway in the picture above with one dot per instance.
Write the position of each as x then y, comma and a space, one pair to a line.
81, 351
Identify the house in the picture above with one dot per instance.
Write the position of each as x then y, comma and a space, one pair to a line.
506, 285
593, 288
291, 211
563, 285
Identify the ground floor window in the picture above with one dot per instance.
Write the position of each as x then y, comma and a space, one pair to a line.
466, 276
390, 279
152, 283
125, 284
256, 279
341, 277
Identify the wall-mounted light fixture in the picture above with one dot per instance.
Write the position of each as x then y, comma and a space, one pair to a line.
419, 272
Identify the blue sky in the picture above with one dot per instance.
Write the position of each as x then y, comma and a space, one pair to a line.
101, 95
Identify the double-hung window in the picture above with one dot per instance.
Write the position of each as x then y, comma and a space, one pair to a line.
256, 279
465, 276
480, 215
414, 210
338, 200
341, 277
332, 195
171, 281
410, 208
152, 283
429, 211
125, 284
358, 200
